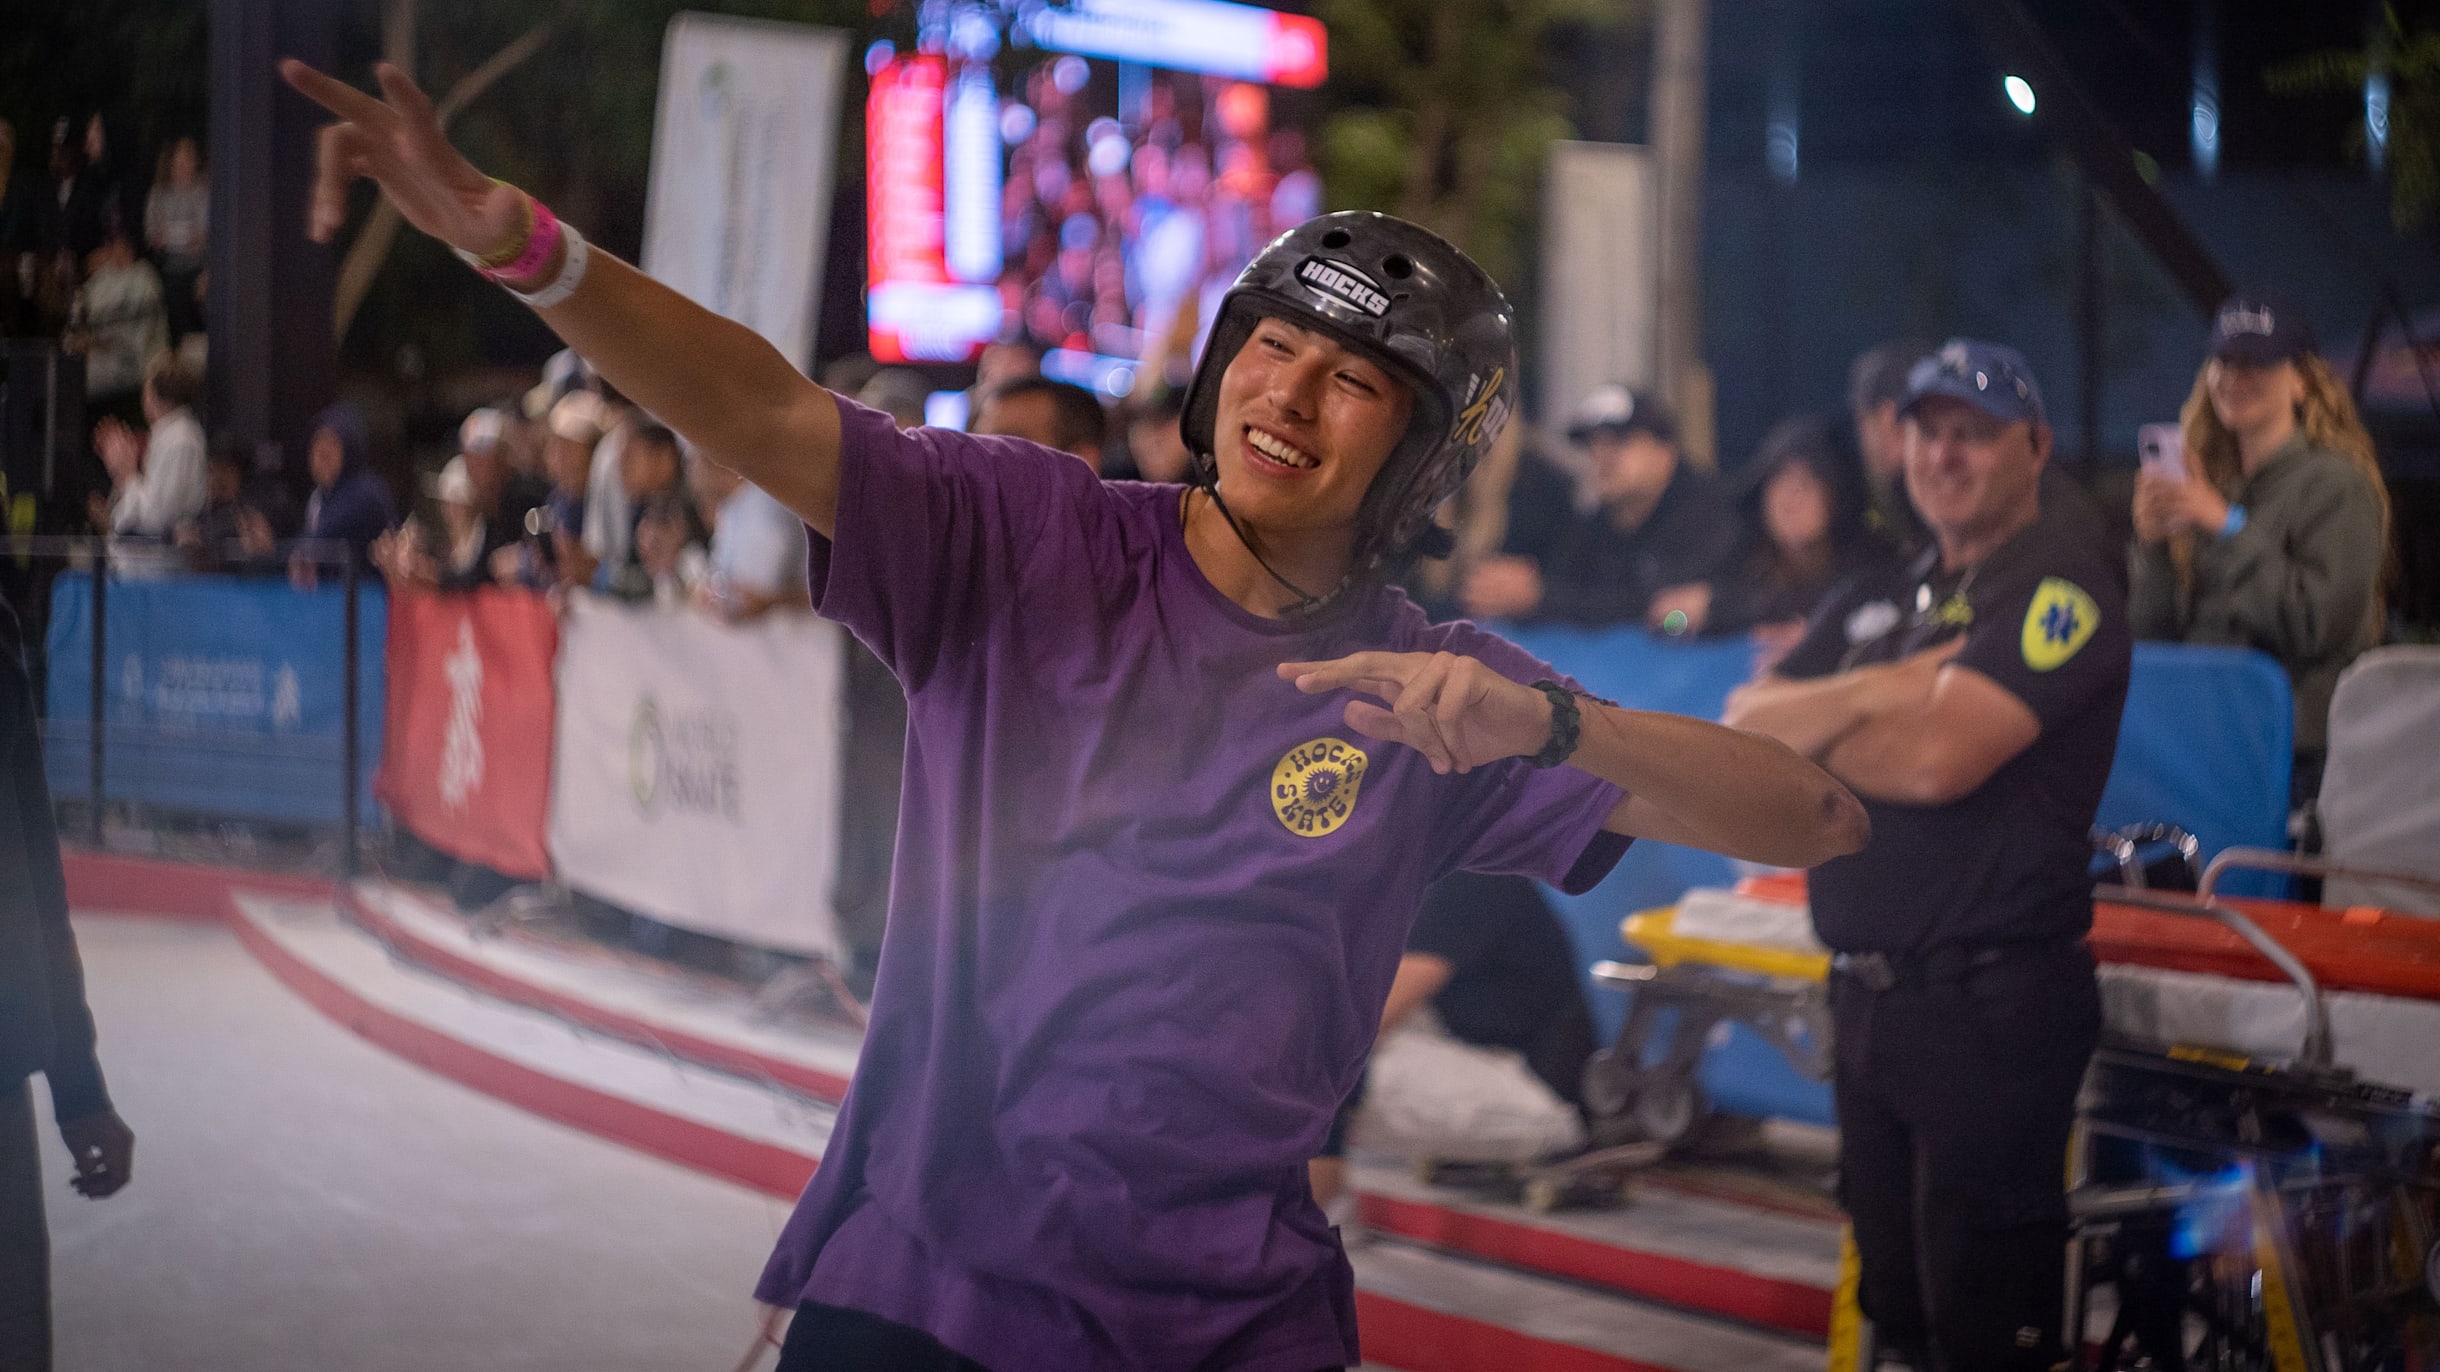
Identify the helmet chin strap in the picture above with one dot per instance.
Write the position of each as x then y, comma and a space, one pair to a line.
1306, 601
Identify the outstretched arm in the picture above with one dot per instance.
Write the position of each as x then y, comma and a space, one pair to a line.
712, 379
1686, 781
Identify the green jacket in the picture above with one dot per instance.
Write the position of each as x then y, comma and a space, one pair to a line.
2297, 581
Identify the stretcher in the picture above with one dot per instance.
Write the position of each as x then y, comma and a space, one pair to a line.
2265, 1203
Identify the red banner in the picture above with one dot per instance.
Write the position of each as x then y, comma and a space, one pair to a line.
466, 756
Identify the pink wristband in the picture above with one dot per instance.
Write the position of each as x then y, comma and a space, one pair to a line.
538, 248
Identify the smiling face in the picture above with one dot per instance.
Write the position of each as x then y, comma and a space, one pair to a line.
1303, 425
1971, 473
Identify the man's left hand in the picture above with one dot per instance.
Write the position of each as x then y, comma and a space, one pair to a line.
1454, 710
104, 1149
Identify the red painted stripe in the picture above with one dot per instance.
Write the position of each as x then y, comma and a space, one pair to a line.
765, 1167
708, 1052
1415, 1338
1771, 1302
115, 883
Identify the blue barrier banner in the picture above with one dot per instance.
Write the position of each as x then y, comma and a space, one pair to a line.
2205, 745
222, 695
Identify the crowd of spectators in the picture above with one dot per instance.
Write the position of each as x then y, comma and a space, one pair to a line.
106, 260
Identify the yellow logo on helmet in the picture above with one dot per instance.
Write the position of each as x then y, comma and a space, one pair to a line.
1314, 788
2060, 621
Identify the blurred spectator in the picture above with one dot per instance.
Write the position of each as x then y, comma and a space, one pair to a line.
757, 559
349, 507
72, 215
1804, 504
609, 513
1156, 437
1002, 362
1658, 535
483, 503
45, 1026
553, 553
1876, 387
1055, 414
896, 392
20, 265
669, 561
2276, 533
651, 476
118, 323
240, 526
156, 479
850, 374
177, 224
1490, 959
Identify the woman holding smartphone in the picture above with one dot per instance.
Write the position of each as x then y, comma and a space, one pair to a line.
2275, 534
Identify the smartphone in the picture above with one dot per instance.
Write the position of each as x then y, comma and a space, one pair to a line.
2162, 449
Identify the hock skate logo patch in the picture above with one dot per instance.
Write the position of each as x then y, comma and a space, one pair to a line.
1314, 788
2060, 621
1344, 284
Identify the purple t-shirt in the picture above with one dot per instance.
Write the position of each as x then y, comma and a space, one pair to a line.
1147, 903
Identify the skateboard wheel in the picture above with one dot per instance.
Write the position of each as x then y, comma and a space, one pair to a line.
1669, 1108
1544, 1194
1609, 1086
1429, 1171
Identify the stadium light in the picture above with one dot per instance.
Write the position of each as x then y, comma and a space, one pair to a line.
2020, 94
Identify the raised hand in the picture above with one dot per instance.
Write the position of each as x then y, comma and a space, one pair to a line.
397, 141
1454, 710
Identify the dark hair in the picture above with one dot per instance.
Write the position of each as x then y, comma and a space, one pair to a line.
1878, 374
659, 436
170, 380
229, 452
1806, 441
1078, 420
1165, 402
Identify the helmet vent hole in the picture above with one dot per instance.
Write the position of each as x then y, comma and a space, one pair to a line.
1336, 238
1397, 267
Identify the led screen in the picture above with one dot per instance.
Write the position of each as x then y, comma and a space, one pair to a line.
1079, 176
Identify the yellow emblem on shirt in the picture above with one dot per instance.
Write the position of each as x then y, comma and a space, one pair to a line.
2060, 620
1314, 788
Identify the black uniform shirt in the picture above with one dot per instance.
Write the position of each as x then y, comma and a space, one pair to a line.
2044, 616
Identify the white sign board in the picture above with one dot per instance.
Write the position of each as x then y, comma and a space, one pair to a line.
696, 770
1600, 264
738, 215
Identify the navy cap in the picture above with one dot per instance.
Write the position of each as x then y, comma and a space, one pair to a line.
2261, 329
1615, 409
1992, 377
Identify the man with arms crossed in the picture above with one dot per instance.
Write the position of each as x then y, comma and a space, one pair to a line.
1178, 769
1973, 702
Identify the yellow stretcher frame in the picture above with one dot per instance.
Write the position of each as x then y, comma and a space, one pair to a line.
1655, 932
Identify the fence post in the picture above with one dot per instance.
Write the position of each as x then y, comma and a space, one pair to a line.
98, 695
348, 760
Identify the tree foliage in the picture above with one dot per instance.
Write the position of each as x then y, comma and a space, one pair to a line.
2411, 61
1448, 109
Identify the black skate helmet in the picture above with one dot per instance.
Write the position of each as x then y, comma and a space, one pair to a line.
1409, 300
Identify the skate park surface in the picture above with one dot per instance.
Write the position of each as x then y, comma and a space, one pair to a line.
374, 1135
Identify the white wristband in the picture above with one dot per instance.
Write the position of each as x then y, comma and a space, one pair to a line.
571, 273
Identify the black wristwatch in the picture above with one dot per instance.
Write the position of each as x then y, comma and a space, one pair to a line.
1566, 725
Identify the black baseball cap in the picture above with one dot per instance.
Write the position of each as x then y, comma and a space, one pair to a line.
2261, 329
1619, 410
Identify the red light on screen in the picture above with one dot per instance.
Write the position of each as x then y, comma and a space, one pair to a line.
1300, 51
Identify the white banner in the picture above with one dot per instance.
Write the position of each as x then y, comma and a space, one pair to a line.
738, 214
1600, 288
696, 776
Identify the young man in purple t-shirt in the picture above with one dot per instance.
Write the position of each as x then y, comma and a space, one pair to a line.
1178, 769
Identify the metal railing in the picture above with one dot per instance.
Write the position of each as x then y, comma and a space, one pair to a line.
100, 557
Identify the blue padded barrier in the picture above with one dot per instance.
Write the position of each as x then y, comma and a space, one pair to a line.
223, 695
2205, 744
